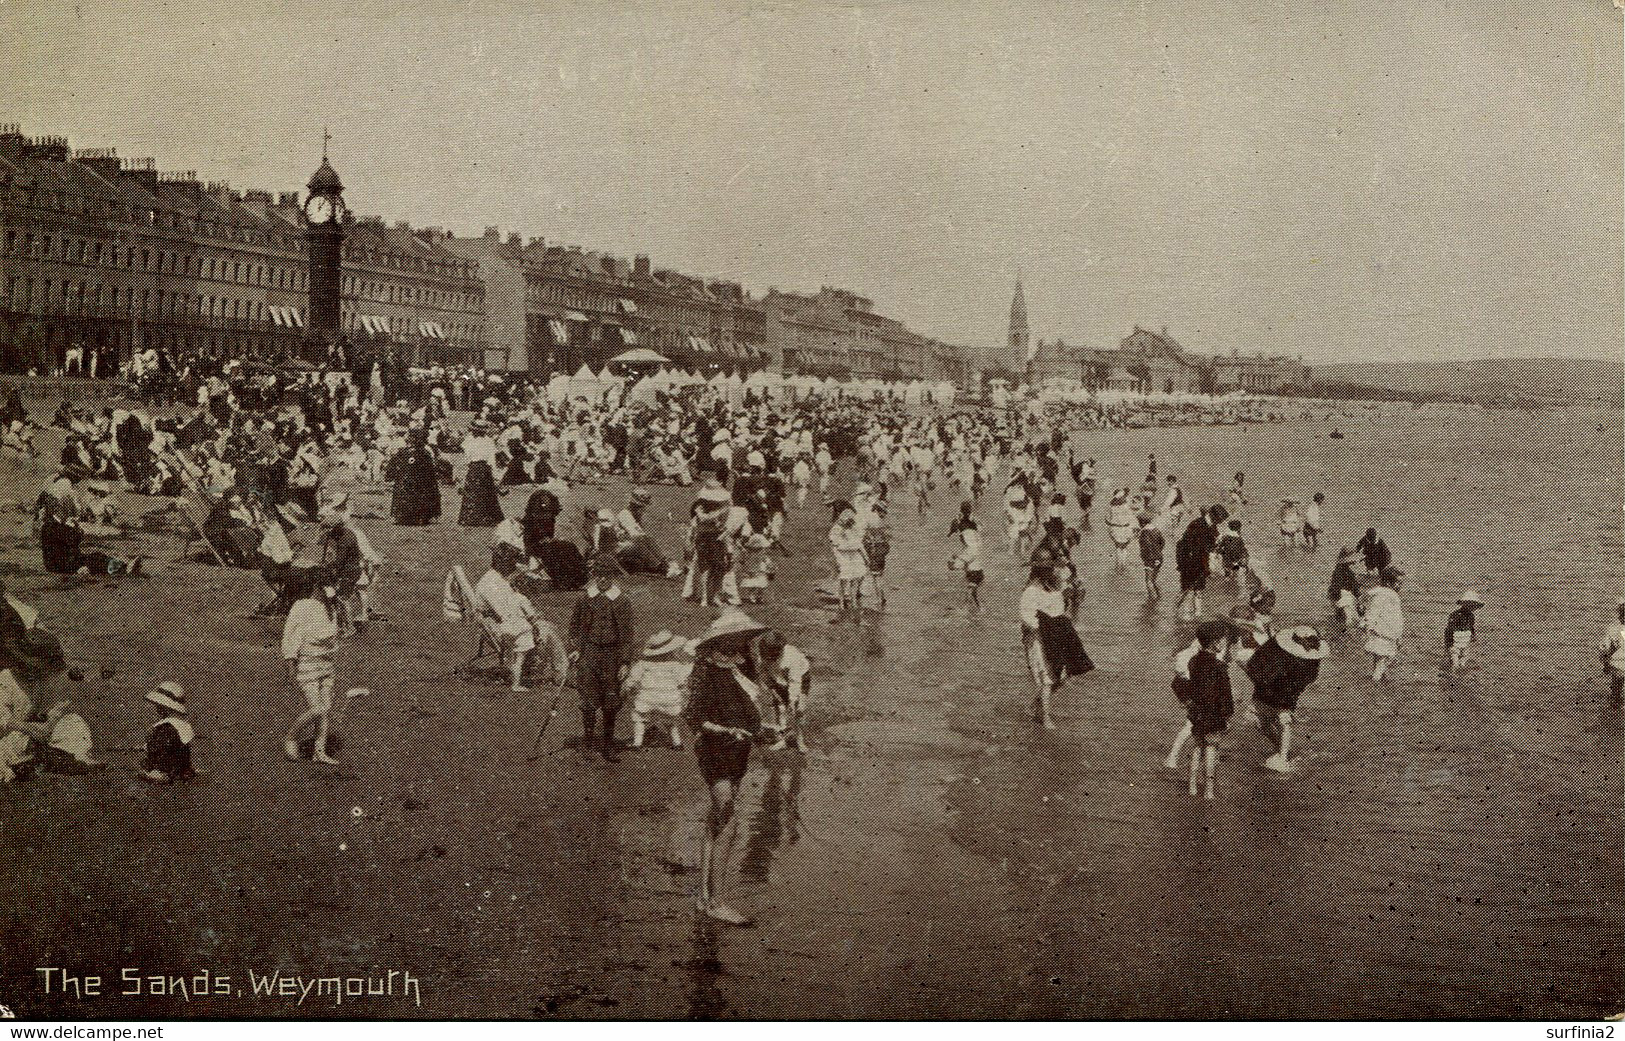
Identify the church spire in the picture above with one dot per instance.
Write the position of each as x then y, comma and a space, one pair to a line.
1020, 339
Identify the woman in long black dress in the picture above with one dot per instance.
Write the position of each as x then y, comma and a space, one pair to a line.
723, 715
417, 486
515, 472
480, 506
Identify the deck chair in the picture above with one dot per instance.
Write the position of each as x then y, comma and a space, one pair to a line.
459, 602
194, 506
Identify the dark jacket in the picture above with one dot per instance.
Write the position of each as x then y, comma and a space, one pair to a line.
604, 626
1192, 549
1211, 703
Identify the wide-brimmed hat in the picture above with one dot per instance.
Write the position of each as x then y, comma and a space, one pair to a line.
1242, 616
1218, 513
290, 513
98, 488
731, 624
606, 514
1304, 642
170, 695
641, 495
663, 643
714, 495
1470, 597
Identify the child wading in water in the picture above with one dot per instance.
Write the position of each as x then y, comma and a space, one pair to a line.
1460, 630
1152, 542
1211, 704
968, 557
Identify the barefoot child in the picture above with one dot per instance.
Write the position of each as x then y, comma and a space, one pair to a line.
1152, 542
1211, 703
968, 558
1384, 622
1460, 630
1281, 670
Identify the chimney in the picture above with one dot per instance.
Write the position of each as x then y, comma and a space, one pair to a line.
536, 242
640, 266
11, 140
143, 171
104, 161
492, 233
287, 199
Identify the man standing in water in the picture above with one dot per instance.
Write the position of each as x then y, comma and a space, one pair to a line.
1191, 559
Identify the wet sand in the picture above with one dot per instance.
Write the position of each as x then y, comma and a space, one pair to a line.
1450, 848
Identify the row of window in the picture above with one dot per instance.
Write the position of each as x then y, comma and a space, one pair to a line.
395, 293
88, 251
407, 328
25, 294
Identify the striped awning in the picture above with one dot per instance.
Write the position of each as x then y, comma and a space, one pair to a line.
576, 316
374, 324
629, 337
628, 307
285, 317
431, 330
561, 332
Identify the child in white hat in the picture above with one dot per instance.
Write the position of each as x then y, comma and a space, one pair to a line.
657, 686
169, 741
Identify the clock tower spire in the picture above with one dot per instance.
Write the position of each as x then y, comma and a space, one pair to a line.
324, 241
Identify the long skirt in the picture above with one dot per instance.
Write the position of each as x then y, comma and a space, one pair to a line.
480, 506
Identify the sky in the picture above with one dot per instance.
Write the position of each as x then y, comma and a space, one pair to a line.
1338, 180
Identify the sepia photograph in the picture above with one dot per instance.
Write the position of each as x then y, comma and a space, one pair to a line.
806, 511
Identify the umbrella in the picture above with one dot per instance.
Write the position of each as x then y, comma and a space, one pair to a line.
640, 356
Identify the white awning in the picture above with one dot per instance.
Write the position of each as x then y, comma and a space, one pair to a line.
576, 316
277, 316
628, 306
561, 333
431, 330
296, 318
374, 324
629, 337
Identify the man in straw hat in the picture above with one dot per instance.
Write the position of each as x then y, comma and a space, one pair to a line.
605, 642
723, 715
1281, 670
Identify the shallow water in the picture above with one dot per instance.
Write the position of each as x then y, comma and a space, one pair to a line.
1449, 849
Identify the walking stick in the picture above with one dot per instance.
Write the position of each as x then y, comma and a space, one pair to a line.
553, 710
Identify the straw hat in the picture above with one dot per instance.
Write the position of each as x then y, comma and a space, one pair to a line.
170, 695
606, 515
1303, 642
729, 624
1470, 597
663, 643
290, 513
98, 488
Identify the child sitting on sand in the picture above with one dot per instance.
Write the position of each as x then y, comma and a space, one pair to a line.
169, 741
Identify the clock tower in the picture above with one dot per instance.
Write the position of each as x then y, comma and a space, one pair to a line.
324, 240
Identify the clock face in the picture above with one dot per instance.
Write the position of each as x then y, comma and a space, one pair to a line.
319, 209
